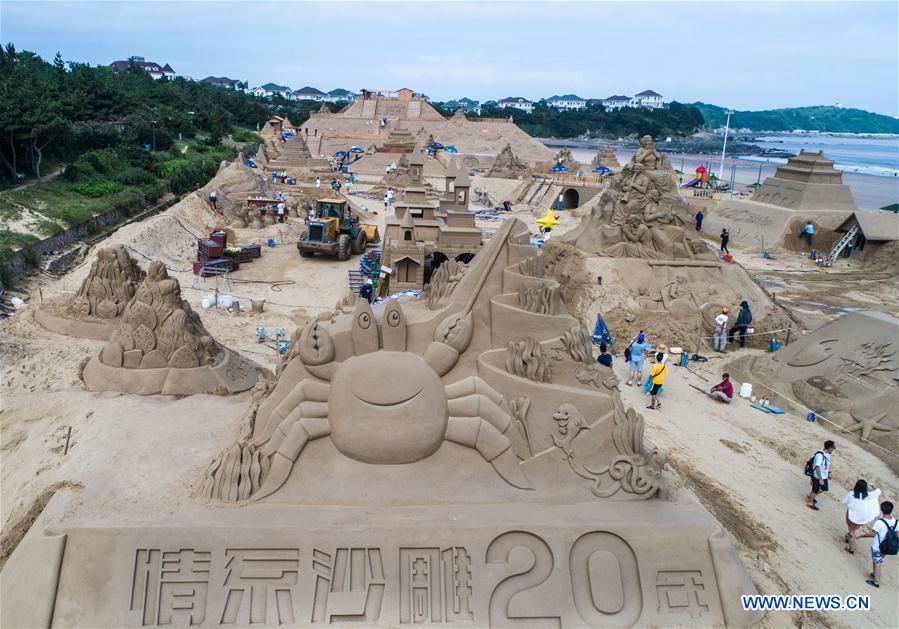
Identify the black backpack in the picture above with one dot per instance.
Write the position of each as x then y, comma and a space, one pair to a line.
809, 469
889, 545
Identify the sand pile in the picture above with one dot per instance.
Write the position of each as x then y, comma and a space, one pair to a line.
161, 346
488, 137
233, 184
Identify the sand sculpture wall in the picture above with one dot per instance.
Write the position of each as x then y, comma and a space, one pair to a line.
161, 346
108, 288
846, 371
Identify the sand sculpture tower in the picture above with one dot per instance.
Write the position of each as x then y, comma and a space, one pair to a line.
807, 181
161, 346
508, 166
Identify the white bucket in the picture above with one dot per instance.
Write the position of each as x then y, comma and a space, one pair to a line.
746, 390
207, 302
225, 301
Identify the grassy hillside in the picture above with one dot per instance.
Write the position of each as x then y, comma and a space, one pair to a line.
818, 118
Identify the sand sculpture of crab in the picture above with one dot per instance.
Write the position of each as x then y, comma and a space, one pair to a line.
395, 420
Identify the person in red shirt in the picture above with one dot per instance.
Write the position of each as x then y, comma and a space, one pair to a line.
724, 390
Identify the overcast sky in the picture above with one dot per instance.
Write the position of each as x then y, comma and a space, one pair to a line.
753, 55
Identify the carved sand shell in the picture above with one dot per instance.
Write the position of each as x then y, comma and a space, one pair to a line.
107, 309
144, 338
184, 358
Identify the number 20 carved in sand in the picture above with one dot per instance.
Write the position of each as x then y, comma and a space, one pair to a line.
605, 583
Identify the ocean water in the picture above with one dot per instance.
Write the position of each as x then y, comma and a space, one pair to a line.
870, 164
864, 154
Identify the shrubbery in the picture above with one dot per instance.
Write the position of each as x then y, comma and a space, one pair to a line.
132, 176
96, 187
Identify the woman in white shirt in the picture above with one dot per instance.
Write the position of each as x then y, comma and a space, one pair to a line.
862, 507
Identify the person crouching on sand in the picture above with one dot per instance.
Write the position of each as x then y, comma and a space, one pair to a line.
724, 390
862, 507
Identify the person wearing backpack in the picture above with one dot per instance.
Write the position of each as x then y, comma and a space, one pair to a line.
862, 507
657, 374
818, 469
885, 542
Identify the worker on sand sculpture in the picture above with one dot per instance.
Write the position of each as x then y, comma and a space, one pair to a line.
744, 318
724, 390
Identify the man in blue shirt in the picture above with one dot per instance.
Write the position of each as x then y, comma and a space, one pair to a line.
604, 358
808, 232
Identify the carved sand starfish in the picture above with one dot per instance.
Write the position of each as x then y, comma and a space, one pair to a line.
867, 425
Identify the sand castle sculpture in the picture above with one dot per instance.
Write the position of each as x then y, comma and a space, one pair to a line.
421, 237
161, 346
606, 157
102, 297
508, 166
846, 371
641, 215
564, 158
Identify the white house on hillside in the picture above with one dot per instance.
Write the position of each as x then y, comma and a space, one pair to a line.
310, 93
150, 67
341, 95
270, 89
616, 102
648, 100
517, 102
568, 102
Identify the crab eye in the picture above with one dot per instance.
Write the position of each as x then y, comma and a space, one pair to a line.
365, 332
393, 329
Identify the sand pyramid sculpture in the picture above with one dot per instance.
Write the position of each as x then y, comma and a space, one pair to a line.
508, 166
565, 158
413, 458
161, 346
641, 215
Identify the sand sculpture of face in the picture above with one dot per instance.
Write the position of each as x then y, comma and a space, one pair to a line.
404, 422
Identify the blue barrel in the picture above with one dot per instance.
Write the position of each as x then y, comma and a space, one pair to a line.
271, 242
811, 416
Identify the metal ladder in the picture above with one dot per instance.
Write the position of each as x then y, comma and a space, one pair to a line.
831, 257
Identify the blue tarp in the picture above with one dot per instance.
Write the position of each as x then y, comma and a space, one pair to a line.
559, 167
340, 154
356, 149
601, 333
601, 169
251, 163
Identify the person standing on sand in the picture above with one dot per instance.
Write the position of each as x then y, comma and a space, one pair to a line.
657, 373
719, 332
638, 347
862, 506
744, 318
820, 472
318, 182
884, 542
725, 238
808, 231
560, 203
724, 390
699, 217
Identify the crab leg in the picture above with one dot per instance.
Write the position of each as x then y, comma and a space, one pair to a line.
477, 433
309, 396
479, 405
470, 385
301, 432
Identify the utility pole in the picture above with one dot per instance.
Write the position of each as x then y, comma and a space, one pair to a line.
724, 148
